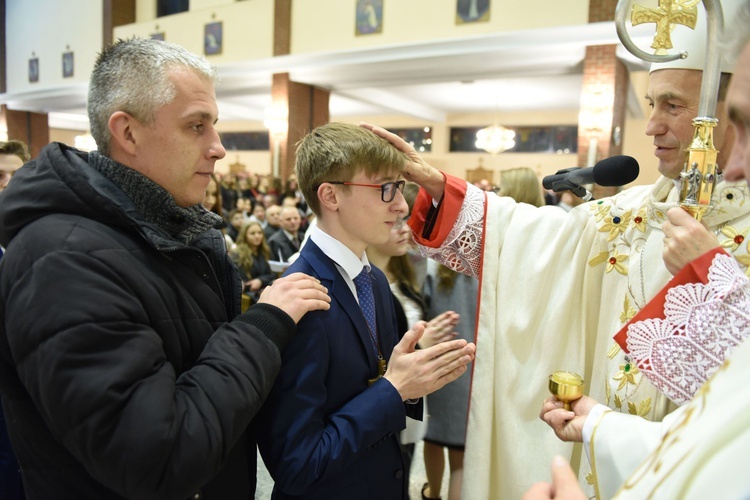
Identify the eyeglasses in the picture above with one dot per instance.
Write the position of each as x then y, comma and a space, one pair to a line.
387, 189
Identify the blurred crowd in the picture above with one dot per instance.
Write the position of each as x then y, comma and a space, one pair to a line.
266, 218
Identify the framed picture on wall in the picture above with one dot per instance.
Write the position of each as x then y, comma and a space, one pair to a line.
472, 11
34, 69
68, 64
369, 17
212, 38
159, 35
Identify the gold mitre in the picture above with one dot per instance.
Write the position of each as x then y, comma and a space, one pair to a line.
694, 41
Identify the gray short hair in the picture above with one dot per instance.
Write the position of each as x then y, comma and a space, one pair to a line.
133, 76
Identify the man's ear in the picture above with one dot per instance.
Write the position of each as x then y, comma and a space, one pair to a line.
328, 196
122, 129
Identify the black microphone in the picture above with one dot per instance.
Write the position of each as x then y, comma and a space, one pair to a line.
612, 171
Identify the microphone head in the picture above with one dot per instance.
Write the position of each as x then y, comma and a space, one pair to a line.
616, 171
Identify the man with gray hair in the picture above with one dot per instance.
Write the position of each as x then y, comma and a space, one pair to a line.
126, 370
698, 451
609, 254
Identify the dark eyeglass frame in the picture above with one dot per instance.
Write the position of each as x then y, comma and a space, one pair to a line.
390, 187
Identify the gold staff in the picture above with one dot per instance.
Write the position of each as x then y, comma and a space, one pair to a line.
699, 173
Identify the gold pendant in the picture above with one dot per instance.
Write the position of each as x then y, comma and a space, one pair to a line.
381, 370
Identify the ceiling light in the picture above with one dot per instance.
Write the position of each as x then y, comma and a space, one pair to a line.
276, 119
495, 139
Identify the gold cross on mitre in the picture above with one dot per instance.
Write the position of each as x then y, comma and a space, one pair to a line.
668, 14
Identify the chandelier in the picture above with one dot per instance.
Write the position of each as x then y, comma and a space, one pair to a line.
495, 139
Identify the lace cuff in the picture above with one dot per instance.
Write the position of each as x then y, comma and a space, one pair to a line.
703, 323
462, 248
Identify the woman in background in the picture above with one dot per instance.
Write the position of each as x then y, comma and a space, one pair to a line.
417, 260
521, 184
251, 254
213, 202
449, 406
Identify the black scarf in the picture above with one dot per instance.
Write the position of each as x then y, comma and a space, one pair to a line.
154, 203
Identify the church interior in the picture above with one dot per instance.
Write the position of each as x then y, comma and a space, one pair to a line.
437, 71
481, 89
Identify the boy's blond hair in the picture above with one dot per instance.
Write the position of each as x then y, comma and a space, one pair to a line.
338, 152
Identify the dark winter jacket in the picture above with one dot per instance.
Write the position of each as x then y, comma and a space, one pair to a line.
124, 368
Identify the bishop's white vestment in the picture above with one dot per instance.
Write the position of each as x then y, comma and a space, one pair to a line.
679, 341
555, 287
699, 451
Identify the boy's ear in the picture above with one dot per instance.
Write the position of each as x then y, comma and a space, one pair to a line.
328, 196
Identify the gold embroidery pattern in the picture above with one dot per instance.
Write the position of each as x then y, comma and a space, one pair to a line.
642, 409
734, 237
616, 224
614, 261
627, 312
624, 383
600, 258
626, 375
641, 219
607, 392
627, 379
600, 210
613, 351
734, 242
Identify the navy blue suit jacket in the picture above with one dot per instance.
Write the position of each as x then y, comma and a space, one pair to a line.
281, 246
323, 432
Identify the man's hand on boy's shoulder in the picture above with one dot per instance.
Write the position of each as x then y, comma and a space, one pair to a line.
296, 294
416, 373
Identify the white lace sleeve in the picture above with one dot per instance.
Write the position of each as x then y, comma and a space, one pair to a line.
702, 325
462, 248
